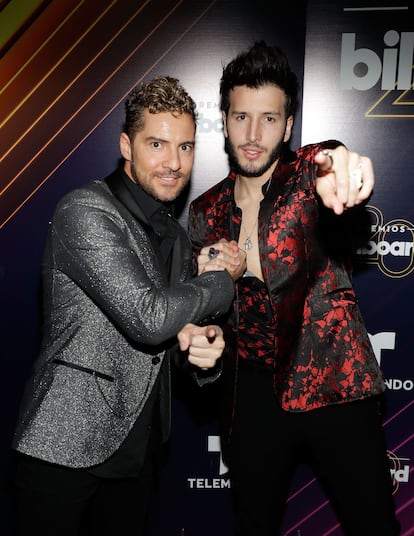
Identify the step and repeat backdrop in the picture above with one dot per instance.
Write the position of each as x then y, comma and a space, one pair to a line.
358, 82
66, 67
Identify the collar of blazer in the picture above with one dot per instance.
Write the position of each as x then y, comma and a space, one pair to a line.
181, 246
120, 192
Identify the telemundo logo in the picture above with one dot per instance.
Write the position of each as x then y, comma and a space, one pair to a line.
217, 482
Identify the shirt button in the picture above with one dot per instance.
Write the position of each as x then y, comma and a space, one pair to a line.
156, 360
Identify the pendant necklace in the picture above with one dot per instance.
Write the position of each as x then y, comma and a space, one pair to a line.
248, 244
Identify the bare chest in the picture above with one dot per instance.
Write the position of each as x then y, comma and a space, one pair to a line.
248, 238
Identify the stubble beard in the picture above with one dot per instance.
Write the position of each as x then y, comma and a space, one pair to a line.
152, 191
252, 170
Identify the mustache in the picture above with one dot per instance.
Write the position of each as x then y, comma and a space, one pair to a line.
172, 174
250, 145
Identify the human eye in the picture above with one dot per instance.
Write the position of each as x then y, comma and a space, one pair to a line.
240, 117
155, 144
187, 147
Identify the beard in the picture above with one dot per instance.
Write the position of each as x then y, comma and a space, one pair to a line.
251, 170
152, 191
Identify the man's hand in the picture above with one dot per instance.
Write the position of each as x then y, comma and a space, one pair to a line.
345, 179
223, 255
205, 344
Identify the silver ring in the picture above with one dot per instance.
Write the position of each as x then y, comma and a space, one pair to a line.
213, 253
356, 176
329, 155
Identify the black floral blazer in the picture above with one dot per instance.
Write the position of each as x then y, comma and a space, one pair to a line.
322, 350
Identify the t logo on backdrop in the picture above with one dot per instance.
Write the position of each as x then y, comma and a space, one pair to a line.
384, 340
217, 481
213, 442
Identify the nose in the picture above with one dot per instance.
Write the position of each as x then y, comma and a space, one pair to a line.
172, 160
254, 133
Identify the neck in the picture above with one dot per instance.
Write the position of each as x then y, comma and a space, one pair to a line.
249, 189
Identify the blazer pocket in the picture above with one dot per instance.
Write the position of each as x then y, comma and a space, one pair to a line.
337, 329
340, 298
87, 370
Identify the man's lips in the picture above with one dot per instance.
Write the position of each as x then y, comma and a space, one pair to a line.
168, 178
252, 152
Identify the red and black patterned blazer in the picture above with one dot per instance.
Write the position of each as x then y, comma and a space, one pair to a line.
322, 351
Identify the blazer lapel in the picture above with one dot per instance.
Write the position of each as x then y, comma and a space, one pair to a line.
121, 193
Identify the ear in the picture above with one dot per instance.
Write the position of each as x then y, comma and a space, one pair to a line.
224, 117
288, 128
125, 146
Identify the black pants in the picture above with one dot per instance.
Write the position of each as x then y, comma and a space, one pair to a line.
343, 443
51, 500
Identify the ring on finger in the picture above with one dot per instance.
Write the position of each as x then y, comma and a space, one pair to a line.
356, 176
213, 253
329, 155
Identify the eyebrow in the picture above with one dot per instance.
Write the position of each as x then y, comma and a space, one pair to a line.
154, 138
238, 112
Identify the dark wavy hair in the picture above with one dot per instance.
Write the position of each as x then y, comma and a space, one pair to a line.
260, 65
162, 94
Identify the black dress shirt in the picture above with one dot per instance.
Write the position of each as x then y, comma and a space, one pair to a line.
160, 216
128, 460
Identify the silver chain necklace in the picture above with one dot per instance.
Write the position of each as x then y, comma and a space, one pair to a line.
248, 244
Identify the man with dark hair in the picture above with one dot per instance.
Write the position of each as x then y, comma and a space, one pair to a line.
300, 380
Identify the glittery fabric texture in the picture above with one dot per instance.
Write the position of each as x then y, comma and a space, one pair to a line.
109, 317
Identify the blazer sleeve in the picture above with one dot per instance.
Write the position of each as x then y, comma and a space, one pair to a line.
94, 248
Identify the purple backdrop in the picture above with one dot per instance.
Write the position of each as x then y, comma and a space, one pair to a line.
66, 70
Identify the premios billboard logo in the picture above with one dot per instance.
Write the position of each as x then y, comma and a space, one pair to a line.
400, 470
390, 245
209, 117
363, 68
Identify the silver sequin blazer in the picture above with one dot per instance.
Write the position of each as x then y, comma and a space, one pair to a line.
109, 318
